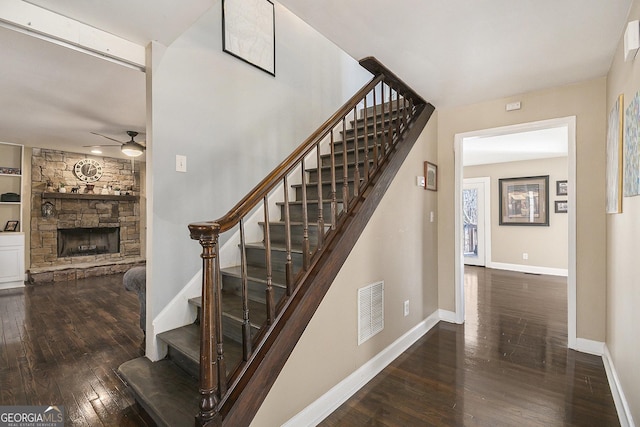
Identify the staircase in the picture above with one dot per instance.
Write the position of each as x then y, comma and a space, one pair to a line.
219, 369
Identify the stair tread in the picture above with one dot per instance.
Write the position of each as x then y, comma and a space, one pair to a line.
186, 339
274, 247
309, 202
315, 183
232, 306
296, 223
257, 274
168, 393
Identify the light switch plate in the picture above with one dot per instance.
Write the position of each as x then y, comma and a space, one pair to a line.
181, 163
420, 181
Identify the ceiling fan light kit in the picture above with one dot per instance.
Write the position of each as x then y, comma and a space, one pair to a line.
130, 148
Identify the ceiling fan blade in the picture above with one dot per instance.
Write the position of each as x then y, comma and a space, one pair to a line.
101, 145
108, 137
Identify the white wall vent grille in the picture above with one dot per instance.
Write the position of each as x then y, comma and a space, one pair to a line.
370, 311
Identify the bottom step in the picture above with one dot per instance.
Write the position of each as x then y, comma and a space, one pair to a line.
166, 392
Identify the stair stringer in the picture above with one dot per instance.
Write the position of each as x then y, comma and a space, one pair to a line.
249, 389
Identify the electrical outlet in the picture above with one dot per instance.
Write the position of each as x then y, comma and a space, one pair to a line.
406, 308
525, 255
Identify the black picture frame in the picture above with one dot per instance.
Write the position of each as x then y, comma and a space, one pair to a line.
11, 225
562, 188
561, 206
249, 32
524, 201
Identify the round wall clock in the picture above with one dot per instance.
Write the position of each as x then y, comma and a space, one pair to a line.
88, 170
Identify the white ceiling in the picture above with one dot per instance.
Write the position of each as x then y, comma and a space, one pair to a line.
452, 53
535, 144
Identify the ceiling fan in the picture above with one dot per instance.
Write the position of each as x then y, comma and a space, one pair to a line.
130, 148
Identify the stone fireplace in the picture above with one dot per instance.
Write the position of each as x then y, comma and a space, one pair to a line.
84, 233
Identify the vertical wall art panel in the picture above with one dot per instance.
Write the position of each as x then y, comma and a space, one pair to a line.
614, 157
249, 32
631, 161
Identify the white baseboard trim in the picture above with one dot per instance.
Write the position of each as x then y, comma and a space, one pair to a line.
11, 285
447, 316
589, 346
622, 405
530, 269
317, 411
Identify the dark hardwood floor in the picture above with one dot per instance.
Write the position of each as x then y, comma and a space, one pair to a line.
507, 366
61, 344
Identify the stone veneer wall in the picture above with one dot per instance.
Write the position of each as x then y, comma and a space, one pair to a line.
57, 166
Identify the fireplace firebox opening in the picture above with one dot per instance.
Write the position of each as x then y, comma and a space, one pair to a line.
88, 241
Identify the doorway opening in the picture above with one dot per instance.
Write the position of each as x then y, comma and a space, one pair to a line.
566, 123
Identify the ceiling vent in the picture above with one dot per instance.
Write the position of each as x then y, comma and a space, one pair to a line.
370, 311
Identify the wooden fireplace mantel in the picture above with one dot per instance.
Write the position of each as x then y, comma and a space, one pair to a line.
85, 196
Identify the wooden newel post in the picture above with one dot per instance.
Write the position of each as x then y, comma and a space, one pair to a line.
210, 328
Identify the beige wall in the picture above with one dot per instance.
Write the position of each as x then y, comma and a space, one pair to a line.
398, 246
547, 247
623, 235
584, 100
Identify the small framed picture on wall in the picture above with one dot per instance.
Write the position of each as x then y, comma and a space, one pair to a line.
430, 176
561, 188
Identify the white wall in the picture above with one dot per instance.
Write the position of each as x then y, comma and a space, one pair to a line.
623, 235
234, 123
547, 247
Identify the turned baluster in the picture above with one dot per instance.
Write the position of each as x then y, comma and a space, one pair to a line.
320, 198
271, 309
287, 239
356, 171
305, 220
334, 201
246, 324
376, 138
345, 165
366, 139
390, 125
398, 118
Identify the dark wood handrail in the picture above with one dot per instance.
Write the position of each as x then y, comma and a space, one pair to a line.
217, 394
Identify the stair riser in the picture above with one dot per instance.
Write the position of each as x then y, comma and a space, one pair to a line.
326, 172
378, 116
277, 234
312, 191
339, 146
186, 364
232, 329
370, 127
255, 257
233, 284
351, 158
295, 211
